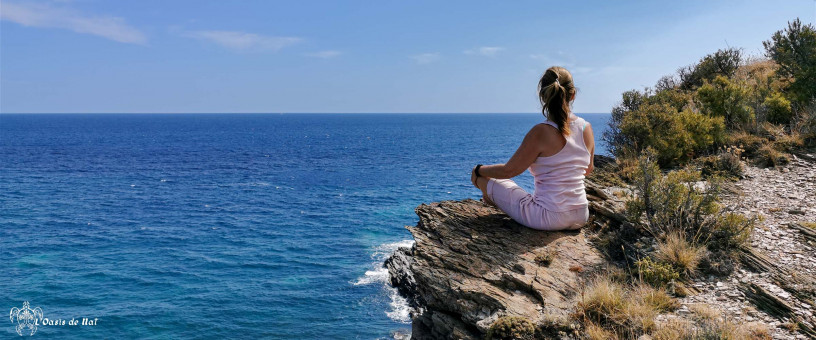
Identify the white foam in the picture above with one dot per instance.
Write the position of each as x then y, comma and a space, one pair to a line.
399, 310
379, 275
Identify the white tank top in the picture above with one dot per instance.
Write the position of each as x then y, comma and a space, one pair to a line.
559, 179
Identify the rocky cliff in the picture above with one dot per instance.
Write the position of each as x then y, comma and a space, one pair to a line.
472, 264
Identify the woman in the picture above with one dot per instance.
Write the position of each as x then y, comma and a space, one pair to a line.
559, 154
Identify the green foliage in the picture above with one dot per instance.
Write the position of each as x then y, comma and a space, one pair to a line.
631, 101
656, 274
678, 203
721, 63
511, 327
722, 97
778, 108
676, 136
794, 49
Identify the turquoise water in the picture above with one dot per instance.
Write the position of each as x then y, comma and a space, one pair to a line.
227, 226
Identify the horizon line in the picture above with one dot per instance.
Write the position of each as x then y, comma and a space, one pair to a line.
277, 113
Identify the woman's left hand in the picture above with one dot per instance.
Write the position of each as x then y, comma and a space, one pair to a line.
473, 176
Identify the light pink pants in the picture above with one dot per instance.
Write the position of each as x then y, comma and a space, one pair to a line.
521, 207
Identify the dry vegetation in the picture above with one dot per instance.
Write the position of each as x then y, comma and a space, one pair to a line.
677, 146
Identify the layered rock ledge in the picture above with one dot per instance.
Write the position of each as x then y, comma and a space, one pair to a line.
472, 264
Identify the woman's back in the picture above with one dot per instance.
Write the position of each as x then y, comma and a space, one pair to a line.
559, 179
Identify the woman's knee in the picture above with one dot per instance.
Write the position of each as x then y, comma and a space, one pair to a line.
481, 182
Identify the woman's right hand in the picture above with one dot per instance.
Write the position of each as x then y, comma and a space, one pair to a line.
473, 177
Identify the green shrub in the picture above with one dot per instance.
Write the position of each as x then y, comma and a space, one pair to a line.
675, 136
679, 203
511, 327
656, 274
722, 97
778, 109
724, 62
794, 49
730, 231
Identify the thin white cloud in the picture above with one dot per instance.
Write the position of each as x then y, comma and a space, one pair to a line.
488, 51
324, 54
45, 15
243, 40
425, 58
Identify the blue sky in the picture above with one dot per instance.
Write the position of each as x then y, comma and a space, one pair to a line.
356, 56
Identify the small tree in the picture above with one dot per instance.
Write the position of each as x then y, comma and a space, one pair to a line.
778, 108
721, 63
723, 98
794, 49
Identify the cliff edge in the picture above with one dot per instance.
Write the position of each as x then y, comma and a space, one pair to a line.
471, 264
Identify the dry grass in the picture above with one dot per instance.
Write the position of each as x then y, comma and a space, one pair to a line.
673, 330
594, 332
681, 254
789, 142
679, 329
655, 298
746, 142
755, 331
704, 312
622, 310
603, 301
768, 156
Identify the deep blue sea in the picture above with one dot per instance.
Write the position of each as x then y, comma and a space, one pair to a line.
215, 226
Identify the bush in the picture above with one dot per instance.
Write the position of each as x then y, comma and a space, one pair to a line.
794, 49
676, 136
721, 63
679, 203
778, 109
656, 274
511, 327
722, 97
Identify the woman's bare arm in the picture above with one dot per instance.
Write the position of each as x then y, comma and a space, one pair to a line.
525, 156
589, 141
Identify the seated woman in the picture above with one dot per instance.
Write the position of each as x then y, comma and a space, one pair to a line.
559, 154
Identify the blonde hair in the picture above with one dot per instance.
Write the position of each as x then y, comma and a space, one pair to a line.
555, 90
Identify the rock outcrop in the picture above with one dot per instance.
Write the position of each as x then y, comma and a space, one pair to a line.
472, 264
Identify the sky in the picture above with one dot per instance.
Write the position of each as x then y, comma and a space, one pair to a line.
384, 56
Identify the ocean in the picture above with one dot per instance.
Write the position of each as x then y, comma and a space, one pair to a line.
213, 226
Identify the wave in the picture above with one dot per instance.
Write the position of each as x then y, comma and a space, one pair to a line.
398, 308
